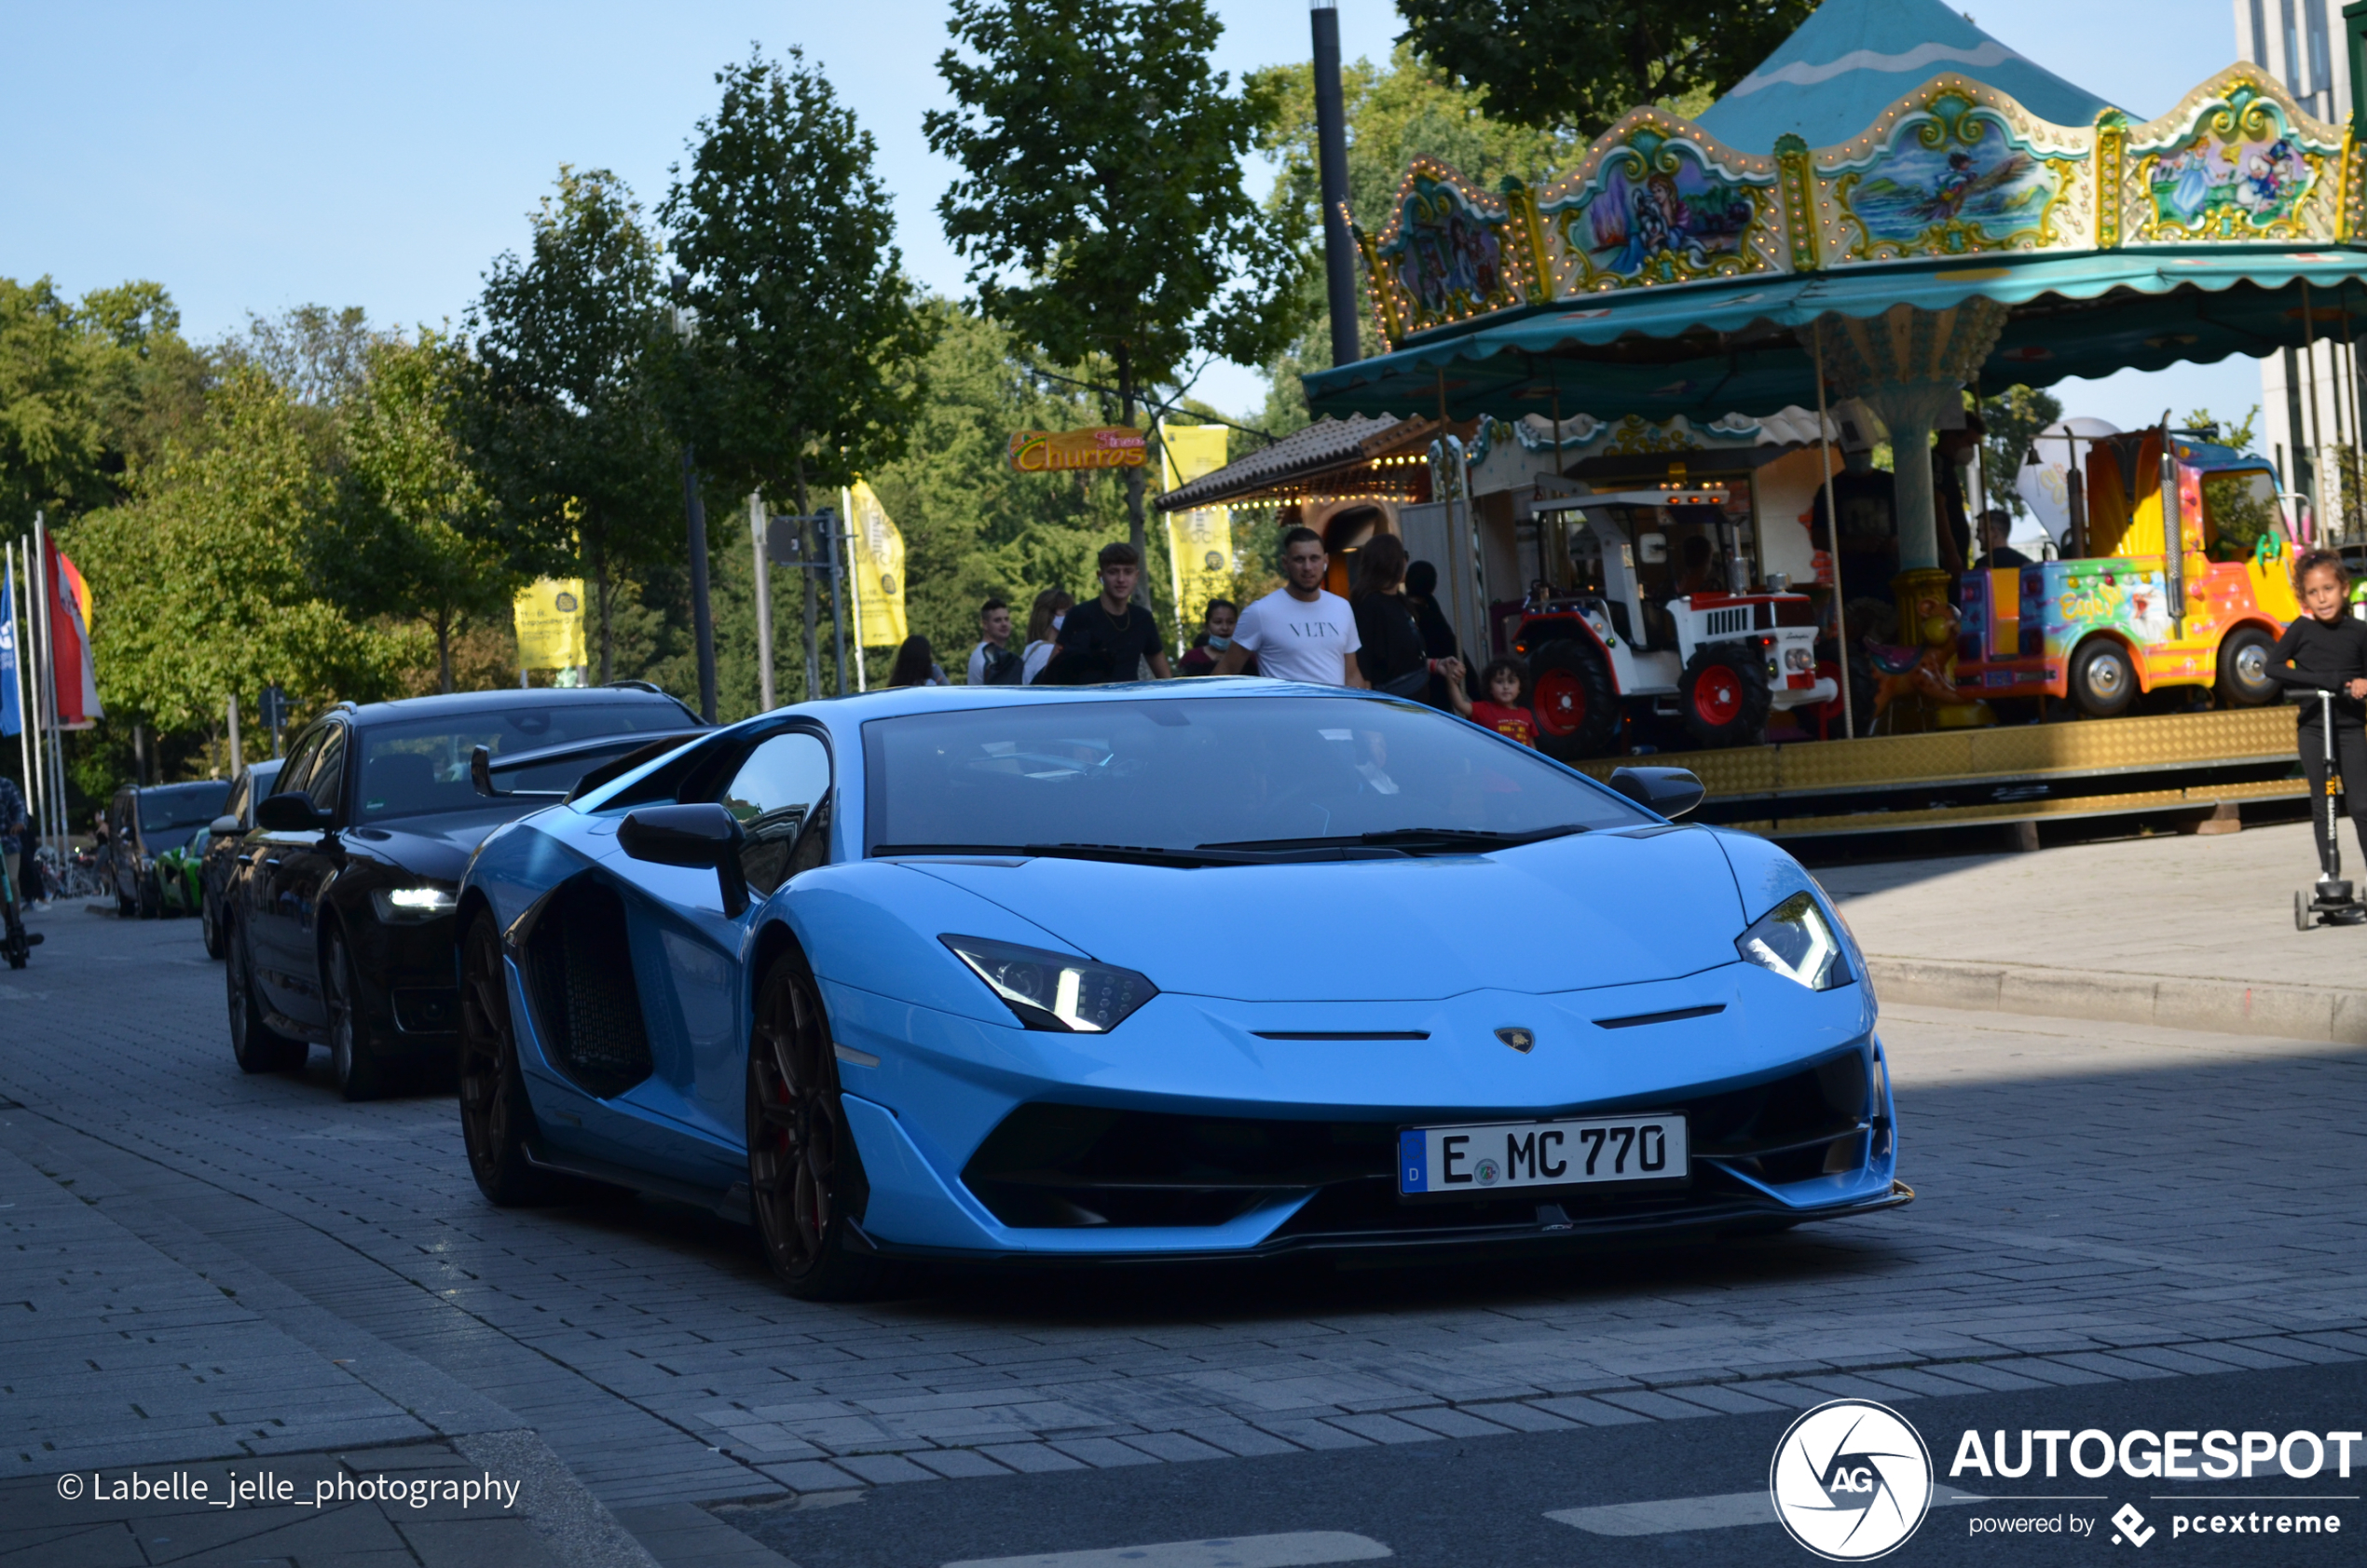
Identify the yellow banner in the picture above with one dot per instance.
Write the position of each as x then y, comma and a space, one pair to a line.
877, 570
1105, 446
550, 621
1199, 543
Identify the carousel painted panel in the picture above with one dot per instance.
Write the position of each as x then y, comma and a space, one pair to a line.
2236, 161
1448, 253
1655, 201
1956, 169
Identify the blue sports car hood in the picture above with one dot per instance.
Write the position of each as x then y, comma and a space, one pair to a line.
1568, 913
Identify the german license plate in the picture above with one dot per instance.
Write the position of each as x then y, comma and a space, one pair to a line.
1466, 1161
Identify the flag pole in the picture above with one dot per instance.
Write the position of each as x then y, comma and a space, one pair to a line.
47, 696
24, 709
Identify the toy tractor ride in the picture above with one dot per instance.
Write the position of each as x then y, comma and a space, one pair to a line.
1624, 643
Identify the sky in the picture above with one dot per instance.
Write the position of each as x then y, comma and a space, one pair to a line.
256, 157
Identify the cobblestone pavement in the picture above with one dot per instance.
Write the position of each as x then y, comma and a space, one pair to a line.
207, 1266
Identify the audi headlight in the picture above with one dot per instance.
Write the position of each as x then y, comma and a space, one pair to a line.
409, 906
1054, 991
1795, 940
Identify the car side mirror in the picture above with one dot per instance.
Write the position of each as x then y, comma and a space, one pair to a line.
702, 836
1670, 791
225, 826
291, 813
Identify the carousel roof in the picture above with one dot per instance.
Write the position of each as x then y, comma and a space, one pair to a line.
1850, 60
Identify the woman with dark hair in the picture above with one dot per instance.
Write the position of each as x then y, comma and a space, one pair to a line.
1389, 643
915, 665
1438, 637
1222, 616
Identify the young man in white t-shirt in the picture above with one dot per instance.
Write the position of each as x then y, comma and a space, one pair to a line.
1298, 632
993, 652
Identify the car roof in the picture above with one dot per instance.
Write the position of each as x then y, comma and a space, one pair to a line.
460, 705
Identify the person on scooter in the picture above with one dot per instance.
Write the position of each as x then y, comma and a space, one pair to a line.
2326, 651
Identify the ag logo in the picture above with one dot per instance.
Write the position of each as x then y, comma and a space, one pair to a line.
1851, 1481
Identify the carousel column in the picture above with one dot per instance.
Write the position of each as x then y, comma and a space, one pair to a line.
1910, 366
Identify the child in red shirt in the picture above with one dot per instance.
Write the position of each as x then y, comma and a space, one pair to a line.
1505, 708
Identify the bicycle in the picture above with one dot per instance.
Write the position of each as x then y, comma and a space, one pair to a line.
17, 942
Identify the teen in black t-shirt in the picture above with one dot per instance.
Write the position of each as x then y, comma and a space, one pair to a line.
1108, 638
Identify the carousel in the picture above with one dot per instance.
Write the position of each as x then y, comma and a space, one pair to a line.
1652, 388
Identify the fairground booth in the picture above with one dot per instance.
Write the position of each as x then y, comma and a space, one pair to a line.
1641, 394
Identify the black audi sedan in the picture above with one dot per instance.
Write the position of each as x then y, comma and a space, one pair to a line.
143, 823
338, 921
224, 838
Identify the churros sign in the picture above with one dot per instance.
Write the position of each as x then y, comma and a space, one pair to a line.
1105, 446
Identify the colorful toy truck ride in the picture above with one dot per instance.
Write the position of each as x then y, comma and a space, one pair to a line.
2120, 615
1628, 642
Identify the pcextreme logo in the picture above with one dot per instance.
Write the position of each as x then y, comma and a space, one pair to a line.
1851, 1481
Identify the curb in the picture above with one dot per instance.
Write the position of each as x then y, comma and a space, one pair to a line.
2327, 1013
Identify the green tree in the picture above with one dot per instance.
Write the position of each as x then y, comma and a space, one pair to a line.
411, 539
52, 433
2009, 420
1101, 204
204, 583
560, 412
802, 371
972, 526
2238, 435
1396, 113
1577, 65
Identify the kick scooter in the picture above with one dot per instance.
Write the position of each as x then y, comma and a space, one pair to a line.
2332, 901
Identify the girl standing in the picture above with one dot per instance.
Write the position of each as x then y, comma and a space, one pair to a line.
2326, 651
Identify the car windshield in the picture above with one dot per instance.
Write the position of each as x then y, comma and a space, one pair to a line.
183, 807
1238, 772
422, 767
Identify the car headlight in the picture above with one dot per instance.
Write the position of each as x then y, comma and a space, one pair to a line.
411, 905
1054, 991
1795, 940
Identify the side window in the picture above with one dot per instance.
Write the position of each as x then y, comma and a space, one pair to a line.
781, 786
328, 772
299, 762
234, 805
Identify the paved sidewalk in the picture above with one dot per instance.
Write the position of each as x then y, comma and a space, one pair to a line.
2191, 932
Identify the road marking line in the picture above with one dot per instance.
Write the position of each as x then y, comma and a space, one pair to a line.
1696, 1513
1290, 1550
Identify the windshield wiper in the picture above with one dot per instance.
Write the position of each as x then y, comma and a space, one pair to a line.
1148, 854
1415, 838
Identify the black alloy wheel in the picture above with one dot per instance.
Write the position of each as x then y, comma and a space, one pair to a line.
495, 1119
2244, 680
2102, 682
802, 1169
257, 1046
209, 923
1577, 701
360, 1075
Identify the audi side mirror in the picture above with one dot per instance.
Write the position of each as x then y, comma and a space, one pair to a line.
291, 813
1670, 791
701, 838
226, 827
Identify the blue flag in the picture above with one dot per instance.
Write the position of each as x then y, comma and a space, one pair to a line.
11, 715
